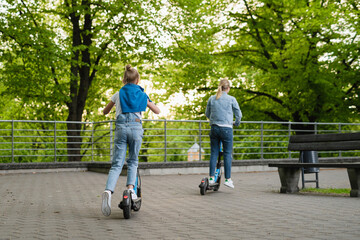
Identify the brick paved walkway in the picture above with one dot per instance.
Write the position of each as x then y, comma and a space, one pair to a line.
66, 205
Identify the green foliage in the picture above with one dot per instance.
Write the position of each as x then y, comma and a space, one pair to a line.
57, 54
60, 59
288, 60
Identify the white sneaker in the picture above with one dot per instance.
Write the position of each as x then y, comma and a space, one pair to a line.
133, 194
211, 181
229, 183
106, 203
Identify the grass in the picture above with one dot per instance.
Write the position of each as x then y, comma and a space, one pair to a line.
327, 191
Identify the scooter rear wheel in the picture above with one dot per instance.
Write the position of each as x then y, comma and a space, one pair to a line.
126, 204
203, 186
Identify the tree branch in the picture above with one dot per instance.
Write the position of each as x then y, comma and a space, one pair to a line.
258, 36
13, 38
235, 51
274, 116
275, 99
32, 16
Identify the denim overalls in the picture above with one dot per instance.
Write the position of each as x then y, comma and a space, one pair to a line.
128, 131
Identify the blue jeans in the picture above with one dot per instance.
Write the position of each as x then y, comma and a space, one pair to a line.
128, 132
224, 135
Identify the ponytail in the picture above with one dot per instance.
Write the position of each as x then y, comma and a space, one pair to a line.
223, 85
130, 74
218, 93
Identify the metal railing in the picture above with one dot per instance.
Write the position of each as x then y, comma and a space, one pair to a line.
164, 140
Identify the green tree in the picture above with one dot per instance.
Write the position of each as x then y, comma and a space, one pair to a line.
58, 58
288, 60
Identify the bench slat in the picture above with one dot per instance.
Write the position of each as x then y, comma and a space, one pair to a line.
333, 137
319, 165
324, 146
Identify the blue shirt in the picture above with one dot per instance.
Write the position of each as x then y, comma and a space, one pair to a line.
221, 111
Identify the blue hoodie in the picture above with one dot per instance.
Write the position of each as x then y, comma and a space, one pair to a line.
133, 98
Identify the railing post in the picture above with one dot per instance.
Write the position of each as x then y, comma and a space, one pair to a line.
12, 141
111, 139
92, 141
55, 142
200, 141
289, 137
262, 141
340, 132
165, 144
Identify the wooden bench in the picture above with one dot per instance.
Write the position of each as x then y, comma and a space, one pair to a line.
290, 172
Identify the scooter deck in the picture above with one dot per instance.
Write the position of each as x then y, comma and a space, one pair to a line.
212, 185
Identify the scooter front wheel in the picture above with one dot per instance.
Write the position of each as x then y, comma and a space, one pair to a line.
137, 205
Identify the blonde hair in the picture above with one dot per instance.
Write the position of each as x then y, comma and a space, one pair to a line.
130, 75
223, 85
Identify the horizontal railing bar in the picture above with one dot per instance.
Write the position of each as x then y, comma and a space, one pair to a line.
43, 121
196, 121
51, 143
19, 136
33, 149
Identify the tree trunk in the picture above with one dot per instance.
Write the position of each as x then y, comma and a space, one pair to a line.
80, 81
301, 129
74, 142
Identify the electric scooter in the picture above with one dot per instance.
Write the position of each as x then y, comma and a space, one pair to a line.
127, 204
204, 185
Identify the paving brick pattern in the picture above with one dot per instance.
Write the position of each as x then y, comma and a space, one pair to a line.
66, 205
